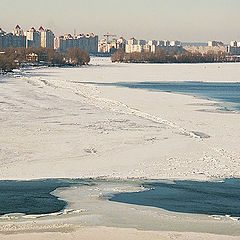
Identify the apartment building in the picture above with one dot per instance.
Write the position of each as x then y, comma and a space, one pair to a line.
215, 44
17, 31
111, 47
33, 38
132, 41
88, 42
14, 39
152, 46
130, 48
47, 38
234, 48
212, 46
121, 43
103, 46
40, 38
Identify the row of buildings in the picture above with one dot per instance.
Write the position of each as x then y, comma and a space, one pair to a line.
216, 46
87, 42
134, 45
211, 46
32, 38
45, 38
12, 39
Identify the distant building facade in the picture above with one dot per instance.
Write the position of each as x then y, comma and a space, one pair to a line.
234, 48
47, 38
40, 38
175, 44
14, 39
113, 46
32, 57
103, 46
88, 42
152, 46
215, 44
207, 49
211, 46
33, 38
17, 31
130, 48
234, 44
121, 44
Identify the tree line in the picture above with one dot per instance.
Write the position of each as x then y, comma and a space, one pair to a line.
12, 58
163, 56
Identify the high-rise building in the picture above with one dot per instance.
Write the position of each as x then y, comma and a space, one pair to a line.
215, 44
17, 31
175, 43
153, 43
33, 38
132, 41
152, 46
88, 42
47, 38
234, 48
121, 43
15, 39
2, 32
103, 46
166, 43
234, 44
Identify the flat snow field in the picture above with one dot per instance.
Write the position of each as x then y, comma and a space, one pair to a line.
53, 124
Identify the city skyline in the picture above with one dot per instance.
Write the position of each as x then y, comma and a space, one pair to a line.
185, 20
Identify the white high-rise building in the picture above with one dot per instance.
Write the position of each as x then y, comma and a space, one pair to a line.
152, 43
47, 38
175, 43
88, 42
33, 38
132, 41
215, 44
15, 39
17, 31
166, 43
233, 43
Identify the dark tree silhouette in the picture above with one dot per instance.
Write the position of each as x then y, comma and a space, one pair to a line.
163, 56
11, 58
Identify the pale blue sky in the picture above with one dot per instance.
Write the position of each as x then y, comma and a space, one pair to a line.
186, 20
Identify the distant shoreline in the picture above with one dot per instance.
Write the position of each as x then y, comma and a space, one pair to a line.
164, 56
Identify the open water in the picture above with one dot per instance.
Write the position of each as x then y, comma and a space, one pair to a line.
227, 93
211, 198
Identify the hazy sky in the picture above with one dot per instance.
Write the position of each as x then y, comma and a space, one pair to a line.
186, 20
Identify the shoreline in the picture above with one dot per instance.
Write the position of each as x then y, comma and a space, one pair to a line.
219, 104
